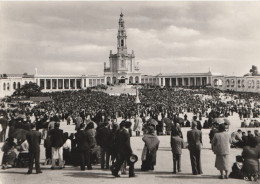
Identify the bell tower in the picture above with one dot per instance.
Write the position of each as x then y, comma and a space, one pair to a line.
121, 67
121, 36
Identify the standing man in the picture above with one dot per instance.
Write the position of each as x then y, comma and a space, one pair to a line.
194, 138
4, 123
57, 141
103, 137
176, 144
124, 151
83, 144
34, 140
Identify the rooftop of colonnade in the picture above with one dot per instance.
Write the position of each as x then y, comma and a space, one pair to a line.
67, 76
25, 75
208, 74
237, 77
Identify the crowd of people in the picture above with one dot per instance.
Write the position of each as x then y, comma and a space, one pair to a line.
103, 127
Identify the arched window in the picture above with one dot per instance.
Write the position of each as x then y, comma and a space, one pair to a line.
122, 43
14, 85
136, 79
19, 85
258, 84
216, 82
4, 86
131, 80
227, 83
8, 86
108, 80
253, 84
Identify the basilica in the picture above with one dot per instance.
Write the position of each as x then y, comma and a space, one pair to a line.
122, 68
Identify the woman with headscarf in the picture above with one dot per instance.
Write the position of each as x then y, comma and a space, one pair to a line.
150, 149
221, 146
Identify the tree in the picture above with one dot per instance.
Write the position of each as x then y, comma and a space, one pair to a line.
254, 70
29, 90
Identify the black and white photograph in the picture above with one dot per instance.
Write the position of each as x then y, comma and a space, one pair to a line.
134, 92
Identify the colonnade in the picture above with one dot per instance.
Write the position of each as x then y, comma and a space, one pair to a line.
186, 81
178, 81
55, 84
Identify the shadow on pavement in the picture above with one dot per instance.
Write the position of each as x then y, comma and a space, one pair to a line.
186, 176
85, 174
14, 172
152, 172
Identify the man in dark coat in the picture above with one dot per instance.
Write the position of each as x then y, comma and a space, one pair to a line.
57, 141
124, 151
34, 140
4, 123
103, 138
83, 145
194, 138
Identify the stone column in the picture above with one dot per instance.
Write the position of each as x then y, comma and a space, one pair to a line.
170, 82
189, 81
51, 84
182, 80
201, 82
195, 81
163, 81
57, 84
177, 82
45, 83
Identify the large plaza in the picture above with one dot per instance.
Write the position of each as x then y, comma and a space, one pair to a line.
161, 174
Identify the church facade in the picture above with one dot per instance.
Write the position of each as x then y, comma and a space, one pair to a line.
121, 68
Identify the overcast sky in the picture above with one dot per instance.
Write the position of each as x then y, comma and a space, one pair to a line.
168, 37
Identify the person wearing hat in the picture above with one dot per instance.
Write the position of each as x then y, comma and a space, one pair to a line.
221, 147
124, 151
194, 138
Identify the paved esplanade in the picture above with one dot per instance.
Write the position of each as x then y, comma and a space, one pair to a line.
162, 173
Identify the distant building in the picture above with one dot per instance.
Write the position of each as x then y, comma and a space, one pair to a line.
122, 68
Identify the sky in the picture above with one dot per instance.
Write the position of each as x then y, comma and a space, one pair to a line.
167, 37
